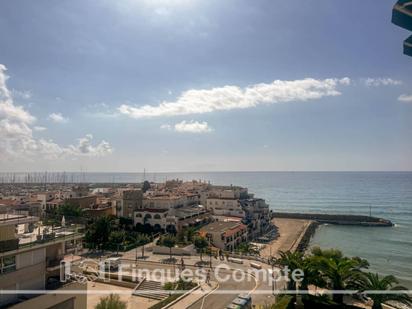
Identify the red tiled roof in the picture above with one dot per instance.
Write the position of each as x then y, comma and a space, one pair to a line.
234, 230
8, 202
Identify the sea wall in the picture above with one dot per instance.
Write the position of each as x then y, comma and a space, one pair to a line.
336, 219
309, 232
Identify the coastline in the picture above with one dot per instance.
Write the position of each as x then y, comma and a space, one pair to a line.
294, 235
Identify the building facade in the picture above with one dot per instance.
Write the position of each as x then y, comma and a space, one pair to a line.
29, 260
225, 235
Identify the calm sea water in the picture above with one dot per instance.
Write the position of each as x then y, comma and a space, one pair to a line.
387, 194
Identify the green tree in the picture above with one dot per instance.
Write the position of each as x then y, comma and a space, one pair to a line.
338, 272
248, 248
98, 232
69, 210
292, 260
190, 233
141, 240
116, 239
372, 282
200, 244
146, 186
169, 241
111, 302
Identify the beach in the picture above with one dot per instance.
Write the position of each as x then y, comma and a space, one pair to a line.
291, 233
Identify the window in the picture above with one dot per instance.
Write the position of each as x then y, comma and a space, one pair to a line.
7, 264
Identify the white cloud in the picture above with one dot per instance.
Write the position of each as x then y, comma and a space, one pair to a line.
16, 133
84, 147
405, 98
166, 127
345, 81
23, 94
192, 127
234, 97
39, 128
376, 82
58, 118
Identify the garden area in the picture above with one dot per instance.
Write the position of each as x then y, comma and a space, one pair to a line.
110, 233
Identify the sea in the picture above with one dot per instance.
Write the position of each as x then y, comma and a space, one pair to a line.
381, 194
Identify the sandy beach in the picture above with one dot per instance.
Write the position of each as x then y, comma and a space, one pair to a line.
290, 233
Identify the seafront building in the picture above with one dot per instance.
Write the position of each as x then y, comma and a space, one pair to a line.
158, 207
236, 202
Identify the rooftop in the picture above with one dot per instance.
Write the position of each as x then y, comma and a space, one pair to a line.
220, 226
12, 219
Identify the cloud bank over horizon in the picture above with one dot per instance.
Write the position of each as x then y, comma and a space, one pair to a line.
225, 98
16, 133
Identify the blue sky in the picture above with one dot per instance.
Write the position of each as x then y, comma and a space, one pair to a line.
200, 85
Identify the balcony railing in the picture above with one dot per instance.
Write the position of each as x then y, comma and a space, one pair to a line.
55, 236
8, 245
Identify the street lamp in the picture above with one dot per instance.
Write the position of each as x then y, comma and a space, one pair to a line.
210, 255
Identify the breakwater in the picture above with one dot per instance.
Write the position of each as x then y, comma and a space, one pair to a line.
309, 232
336, 219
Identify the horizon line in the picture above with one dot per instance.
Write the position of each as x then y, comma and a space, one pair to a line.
211, 171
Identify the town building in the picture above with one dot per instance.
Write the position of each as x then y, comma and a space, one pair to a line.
171, 220
257, 216
30, 256
130, 201
225, 235
225, 207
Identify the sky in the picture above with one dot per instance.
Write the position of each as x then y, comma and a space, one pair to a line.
203, 85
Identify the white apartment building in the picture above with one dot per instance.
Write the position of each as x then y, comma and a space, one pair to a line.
225, 207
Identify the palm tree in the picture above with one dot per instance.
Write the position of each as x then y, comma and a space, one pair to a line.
248, 248
190, 232
338, 271
169, 241
292, 260
111, 302
141, 240
200, 244
372, 282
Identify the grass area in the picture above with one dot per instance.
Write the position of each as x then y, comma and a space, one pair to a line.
284, 302
180, 285
166, 301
